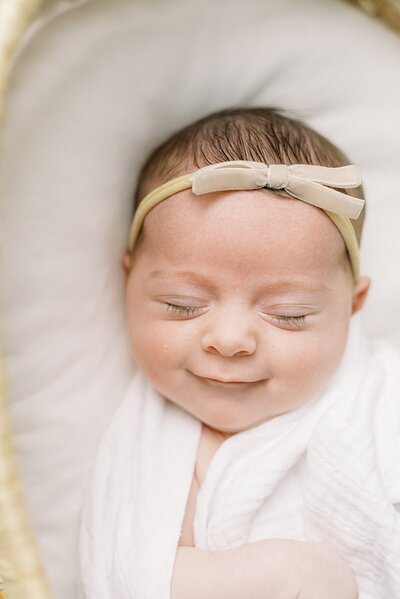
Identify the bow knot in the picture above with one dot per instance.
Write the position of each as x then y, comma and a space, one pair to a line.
278, 176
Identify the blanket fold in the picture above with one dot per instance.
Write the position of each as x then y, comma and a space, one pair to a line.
328, 471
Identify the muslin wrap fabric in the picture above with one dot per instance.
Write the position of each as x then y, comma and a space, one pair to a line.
328, 471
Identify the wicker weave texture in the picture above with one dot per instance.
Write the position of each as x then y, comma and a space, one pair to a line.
387, 10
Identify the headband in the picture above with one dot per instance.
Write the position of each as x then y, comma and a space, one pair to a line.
309, 183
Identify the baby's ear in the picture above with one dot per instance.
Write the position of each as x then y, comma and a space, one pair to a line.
360, 293
126, 264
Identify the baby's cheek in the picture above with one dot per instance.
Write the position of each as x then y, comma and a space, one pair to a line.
315, 360
157, 350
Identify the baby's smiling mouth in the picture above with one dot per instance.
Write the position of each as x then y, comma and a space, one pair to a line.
228, 382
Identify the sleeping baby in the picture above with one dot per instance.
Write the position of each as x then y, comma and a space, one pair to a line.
256, 453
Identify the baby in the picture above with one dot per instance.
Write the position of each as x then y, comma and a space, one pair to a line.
239, 301
256, 453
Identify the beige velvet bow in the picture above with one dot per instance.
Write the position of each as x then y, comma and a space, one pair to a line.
305, 182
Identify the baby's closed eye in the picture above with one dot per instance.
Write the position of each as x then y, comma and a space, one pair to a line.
189, 311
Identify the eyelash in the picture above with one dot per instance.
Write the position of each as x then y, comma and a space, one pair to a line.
298, 321
190, 311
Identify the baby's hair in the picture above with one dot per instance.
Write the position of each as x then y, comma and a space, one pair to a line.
257, 134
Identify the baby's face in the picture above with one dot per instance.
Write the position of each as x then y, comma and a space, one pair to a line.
238, 304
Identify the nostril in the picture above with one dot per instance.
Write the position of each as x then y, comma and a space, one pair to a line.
227, 352
211, 349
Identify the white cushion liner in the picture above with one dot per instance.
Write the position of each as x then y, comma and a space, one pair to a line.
94, 90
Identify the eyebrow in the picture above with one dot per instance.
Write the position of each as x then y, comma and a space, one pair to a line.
297, 284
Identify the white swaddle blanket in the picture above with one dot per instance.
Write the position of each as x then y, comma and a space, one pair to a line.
327, 471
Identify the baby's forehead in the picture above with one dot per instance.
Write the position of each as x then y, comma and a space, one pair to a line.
243, 230
263, 214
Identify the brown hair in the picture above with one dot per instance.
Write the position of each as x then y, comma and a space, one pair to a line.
258, 134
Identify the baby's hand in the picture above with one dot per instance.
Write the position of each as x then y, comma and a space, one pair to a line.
323, 574
273, 568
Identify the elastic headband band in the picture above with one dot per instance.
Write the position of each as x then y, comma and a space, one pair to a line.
309, 183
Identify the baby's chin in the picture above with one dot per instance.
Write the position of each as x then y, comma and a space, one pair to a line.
227, 412
232, 424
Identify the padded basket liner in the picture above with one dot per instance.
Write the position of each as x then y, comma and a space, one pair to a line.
92, 93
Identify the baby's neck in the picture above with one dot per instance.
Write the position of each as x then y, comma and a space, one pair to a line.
218, 434
211, 440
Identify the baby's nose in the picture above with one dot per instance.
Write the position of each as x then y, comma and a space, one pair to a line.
230, 335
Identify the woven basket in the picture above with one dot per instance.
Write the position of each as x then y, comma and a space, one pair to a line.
21, 572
